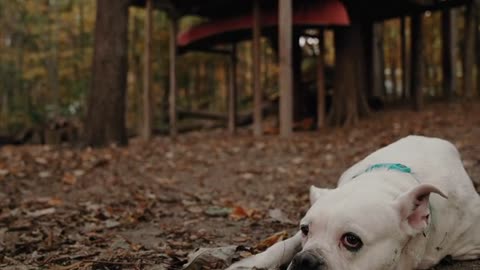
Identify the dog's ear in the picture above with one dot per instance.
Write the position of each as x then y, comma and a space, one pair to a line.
414, 208
316, 193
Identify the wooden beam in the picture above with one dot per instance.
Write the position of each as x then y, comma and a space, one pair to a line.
449, 41
147, 76
232, 91
417, 63
256, 71
285, 73
172, 99
321, 81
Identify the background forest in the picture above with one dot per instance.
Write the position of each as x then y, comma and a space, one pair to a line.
46, 51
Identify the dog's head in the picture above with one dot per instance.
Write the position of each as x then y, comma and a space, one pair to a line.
354, 228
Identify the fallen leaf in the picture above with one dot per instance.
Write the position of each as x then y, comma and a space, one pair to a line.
119, 243
55, 202
110, 223
218, 211
41, 161
278, 215
240, 213
43, 212
20, 224
69, 179
195, 209
44, 174
78, 173
4, 172
297, 160
271, 240
247, 176
215, 257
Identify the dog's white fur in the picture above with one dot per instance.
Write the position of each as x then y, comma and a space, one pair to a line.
385, 207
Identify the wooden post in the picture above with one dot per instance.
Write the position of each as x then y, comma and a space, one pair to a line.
173, 77
321, 81
257, 88
285, 73
298, 93
232, 91
147, 75
477, 46
448, 52
405, 61
417, 63
469, 51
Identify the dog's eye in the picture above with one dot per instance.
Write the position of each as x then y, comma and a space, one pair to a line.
304, 228
351, 242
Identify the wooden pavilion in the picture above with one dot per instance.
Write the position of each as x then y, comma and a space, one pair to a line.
230, 21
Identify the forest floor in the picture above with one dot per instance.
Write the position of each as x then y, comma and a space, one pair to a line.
148, 205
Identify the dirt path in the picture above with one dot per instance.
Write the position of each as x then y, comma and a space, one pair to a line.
147, 206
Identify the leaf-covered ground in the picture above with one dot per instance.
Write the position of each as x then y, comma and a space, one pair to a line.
149, 205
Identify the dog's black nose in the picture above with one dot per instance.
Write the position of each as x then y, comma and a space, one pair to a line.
307, 260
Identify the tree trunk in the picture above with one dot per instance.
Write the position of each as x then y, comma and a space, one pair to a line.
232, 90
52, 62
417, 63
105, 122
349, 101
448, 52
378, 73
81, 27
136, 63
405, 59
298, 92
147, 75
172, 97
469, 51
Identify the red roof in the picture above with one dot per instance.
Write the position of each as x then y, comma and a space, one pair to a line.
314, 14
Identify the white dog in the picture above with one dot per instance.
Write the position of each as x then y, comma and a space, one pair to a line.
406, 206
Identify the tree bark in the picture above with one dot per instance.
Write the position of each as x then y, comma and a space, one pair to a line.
378, 74
147, 76
448, 52
469, 51
417, 63
405, 59
232, 91
105, 121
349, 100
136, 66
298, 91
172, 98
52, 64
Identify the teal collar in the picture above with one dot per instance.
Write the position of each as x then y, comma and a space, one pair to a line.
389, 167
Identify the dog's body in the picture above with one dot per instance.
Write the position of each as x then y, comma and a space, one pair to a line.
382, 217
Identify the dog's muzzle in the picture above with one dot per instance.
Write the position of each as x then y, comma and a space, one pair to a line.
308, 260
